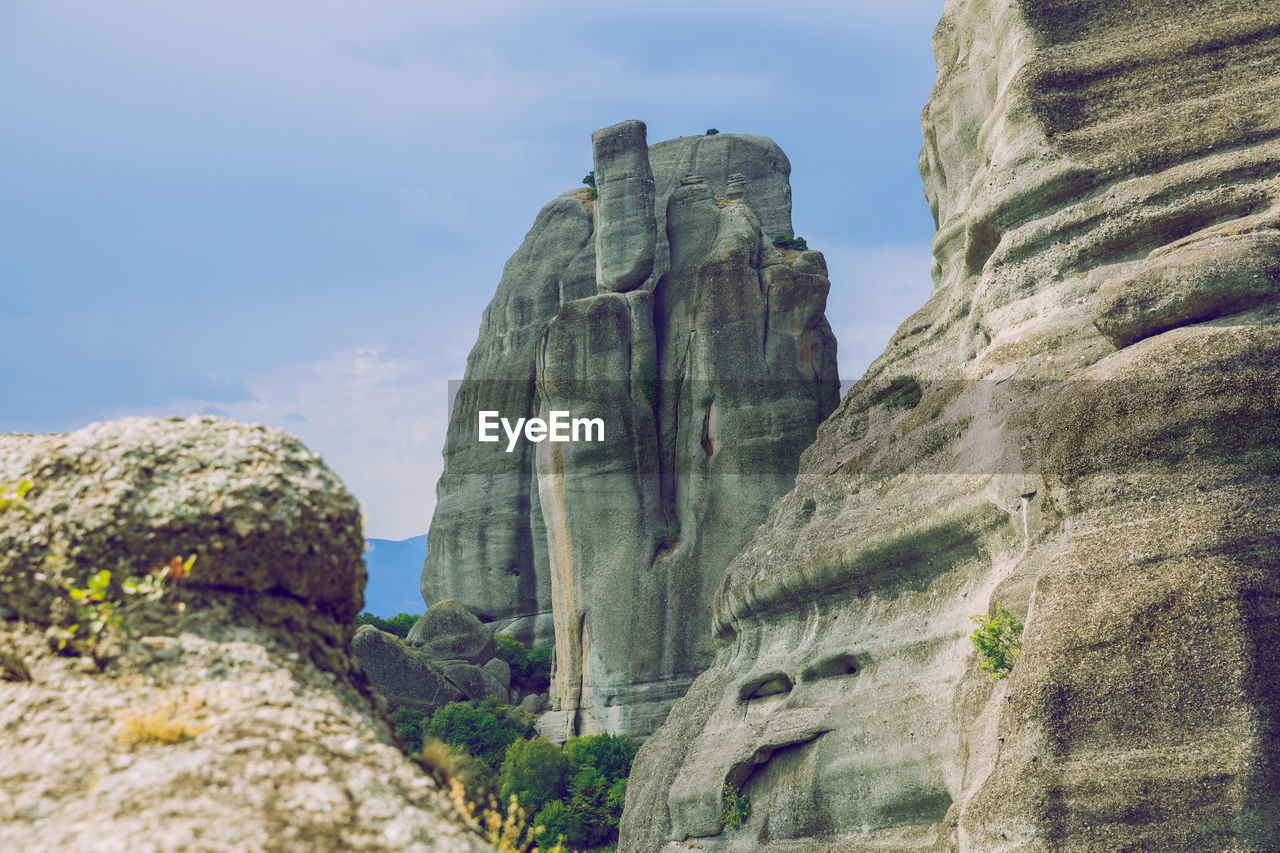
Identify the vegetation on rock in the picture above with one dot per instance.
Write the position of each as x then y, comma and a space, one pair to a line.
736, 808
998, 639
798, 244
397, 625
530, 668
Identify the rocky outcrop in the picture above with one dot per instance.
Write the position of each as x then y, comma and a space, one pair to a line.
231, 714
704, 352
1079, 425
447, 657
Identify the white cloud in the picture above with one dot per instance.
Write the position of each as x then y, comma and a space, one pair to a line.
379, 420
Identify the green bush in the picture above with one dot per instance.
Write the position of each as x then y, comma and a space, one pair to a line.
486, 728
530, 668
998, 639
534, 771
554, 820
410, 724
590, 179
736, 809
711, 131
610, 754
797, 243
398, 624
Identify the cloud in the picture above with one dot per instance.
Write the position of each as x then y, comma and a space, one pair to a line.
215, 411
378, 419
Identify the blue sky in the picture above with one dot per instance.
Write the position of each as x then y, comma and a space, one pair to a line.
293, 212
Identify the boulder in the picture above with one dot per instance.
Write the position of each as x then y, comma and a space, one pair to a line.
500, 670
402, 676
232, 714
476, 682
448, 632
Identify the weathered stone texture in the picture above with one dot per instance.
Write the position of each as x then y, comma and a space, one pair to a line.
1080, 425
285, 746
711, 371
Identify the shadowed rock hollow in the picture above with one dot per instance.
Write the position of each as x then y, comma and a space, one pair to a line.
1080, 424
664, 309
239, 722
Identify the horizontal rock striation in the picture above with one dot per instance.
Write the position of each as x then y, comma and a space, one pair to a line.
231, 715
1078, 425
704, 351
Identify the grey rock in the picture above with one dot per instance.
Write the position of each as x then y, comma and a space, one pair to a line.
270, 731
448, 631
500, 670
486, 547
489, 540
534, 703
537, 631
404, 678
1078, 425
627, 230
476, 682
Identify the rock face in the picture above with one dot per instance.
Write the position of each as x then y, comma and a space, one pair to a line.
239, 722
704, 352
1079, 425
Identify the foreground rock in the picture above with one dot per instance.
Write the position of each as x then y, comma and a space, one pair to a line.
239, 723
1079, 425
664, 310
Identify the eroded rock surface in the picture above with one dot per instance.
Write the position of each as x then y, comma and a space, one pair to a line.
1080, 424
710, 364
233, 716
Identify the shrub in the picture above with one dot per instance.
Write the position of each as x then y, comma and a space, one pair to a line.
486, 728
799, 244
666, 537
410, 725
554, 820
611, 755
398, 625
711, 131
530, 668
535, 772
998, 639
736, 808
590, 179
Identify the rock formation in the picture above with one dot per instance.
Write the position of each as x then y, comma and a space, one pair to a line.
232, 717
662, 308
1079, 425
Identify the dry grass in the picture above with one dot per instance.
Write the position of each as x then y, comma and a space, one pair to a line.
721, 201
509, 832
583, 195
789, 255
165, 723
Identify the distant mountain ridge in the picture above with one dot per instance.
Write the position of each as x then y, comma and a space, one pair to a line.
395, 567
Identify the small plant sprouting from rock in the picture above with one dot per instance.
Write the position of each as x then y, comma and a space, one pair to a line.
736, 809
666, 537
167, 723
99, 615
798, 244
590, 181
998, 639
11, 497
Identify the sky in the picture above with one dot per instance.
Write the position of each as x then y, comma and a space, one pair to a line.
294, 212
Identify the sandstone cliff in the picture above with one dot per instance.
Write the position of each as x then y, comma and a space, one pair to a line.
663, 308
232, 717
1080, 425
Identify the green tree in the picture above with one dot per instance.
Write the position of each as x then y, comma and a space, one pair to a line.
535, 771
398, 625
486, 728
409, 723
530, 668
